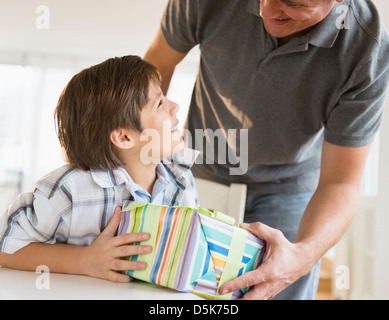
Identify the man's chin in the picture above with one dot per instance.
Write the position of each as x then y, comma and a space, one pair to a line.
275, 30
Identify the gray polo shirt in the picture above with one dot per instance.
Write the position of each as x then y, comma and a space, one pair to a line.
328, 84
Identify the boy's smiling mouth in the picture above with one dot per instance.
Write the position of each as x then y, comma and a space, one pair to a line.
174, 128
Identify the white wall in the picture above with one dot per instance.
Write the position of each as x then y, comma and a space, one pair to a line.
364, 248
381, 240
80, 32
89, 27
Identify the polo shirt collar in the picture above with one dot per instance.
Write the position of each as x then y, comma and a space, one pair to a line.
323, 34
326, 32
253, 7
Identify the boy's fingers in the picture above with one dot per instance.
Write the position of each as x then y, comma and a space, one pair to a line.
119, 265
118, 277
129, 238
126, 251
113, 224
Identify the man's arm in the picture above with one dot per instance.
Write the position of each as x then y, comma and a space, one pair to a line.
326, 218
333, 205
161, 55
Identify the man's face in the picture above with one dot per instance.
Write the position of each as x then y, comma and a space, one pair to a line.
290, 18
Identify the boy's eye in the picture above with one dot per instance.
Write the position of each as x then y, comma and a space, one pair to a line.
160, 103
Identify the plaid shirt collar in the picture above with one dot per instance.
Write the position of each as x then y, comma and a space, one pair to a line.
177, 166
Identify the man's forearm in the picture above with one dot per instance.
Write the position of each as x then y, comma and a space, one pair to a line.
328, 215
164, 58
61, 258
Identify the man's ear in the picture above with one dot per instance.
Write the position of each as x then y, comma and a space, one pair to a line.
122, 139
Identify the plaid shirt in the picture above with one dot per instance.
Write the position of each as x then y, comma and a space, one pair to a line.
73, 206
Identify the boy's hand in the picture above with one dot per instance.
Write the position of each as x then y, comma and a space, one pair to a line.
103, 255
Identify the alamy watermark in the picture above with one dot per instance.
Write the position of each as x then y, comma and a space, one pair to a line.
42, 282
42, 21
223, 147
343, 21
342, 281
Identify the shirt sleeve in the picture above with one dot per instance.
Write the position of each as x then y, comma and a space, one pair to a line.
179, 24
357, 116
32, 217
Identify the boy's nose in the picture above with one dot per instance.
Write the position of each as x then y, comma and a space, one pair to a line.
270, 9
174, 108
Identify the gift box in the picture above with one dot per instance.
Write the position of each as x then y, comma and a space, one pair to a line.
193, 250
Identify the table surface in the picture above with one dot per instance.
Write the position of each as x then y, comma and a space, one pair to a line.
21, 285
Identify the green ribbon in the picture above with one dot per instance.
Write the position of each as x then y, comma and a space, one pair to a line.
134, 205
150, 226
218, 215
234, 259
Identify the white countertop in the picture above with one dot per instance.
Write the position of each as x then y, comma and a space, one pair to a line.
20, 285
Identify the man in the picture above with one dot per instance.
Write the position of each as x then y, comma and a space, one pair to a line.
308, 79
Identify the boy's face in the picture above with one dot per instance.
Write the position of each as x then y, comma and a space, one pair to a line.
160, 137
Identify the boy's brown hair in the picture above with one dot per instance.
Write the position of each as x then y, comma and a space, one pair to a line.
98, 100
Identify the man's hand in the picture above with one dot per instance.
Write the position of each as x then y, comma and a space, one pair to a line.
103, 257
284, 263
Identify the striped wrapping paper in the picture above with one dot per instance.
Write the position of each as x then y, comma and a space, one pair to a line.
191, 251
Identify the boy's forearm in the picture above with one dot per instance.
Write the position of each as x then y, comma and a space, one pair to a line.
61, 258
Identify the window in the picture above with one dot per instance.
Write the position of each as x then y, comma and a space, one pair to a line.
29, 147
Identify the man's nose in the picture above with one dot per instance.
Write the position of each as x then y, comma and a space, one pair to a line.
270, 9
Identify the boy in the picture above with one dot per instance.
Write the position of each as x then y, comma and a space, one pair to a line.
115, 127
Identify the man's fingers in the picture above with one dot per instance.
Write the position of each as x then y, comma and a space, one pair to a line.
263, 291
244, 281
257, 276
261, 230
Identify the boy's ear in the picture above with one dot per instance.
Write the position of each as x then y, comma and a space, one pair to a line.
122, 139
